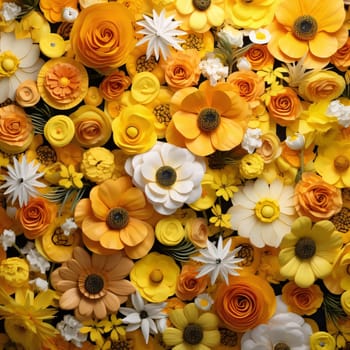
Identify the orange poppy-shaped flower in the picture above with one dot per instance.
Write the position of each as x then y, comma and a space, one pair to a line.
115, 216
93, 285
245, 303
311, 28
103, 36
207, 118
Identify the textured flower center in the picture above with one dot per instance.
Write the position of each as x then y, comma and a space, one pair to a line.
94, 283
64, 81
193, 334
132, 132
8, 64
166, 176
145, 65
193, 41
162, 113
341, 163
122, 345
228, 337
46, 155
267, 210
201, 5
208, 119
305, 248
117, 218
143, 314
246, 253
305, 28
156, 276
281, 346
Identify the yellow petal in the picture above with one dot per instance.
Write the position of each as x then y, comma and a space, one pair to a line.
172, 336
191, 313
228, 135
134, 233
292, 47
178, 318
216, 15
305, 276
198, 21
323, 45
208, 321
184, 7
186, 124
201, 146
321, 267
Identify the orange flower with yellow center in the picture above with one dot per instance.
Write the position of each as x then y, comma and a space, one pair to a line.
314, 29
115, 218
207, 118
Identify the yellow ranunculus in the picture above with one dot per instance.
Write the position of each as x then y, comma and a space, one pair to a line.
59, 130
251, 166
145, 87
322, 341
133, 130
169, 231
15, 271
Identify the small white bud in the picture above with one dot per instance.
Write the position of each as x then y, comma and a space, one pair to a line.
70, 14
296, 142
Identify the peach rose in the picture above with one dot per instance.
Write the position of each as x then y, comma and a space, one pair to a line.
113, 85
248, 85
302, 301
245, 302
16, 129
259, 57
270, 148
182, 69
27, 94
197, 231
284, 107
341, 59
188, 286
36, 217
103, 36
316, 198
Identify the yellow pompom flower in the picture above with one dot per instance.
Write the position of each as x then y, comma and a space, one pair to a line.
322, 341
59, 130
155, 276
251, 166
14, 271
308, 252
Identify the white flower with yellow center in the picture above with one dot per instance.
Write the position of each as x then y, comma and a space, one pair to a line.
168, 175
19, 61
263, 212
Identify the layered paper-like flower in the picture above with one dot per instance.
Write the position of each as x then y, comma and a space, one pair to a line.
93, 286
263, 212
168, 175
309, 28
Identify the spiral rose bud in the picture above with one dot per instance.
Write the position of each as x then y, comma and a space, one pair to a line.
27, 94
59, 130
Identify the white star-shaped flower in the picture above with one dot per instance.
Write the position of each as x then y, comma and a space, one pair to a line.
21, 181
218, 261
160, 33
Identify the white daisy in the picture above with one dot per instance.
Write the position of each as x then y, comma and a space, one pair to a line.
160, 33
218, 260
148, 316
21, 181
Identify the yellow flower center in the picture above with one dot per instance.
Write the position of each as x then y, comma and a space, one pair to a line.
166, 176
46, 155
162, 113
94, 284
305, 28
305, 248
193, 41
267, 210
132, 132
156, 276
281, 346
117, 218
201, 5
145, 65
193, 334
341, 163
8, 64
208, 119
64, 81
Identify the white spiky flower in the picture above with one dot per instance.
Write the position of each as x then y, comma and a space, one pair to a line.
160, 33
21, 181
218, 261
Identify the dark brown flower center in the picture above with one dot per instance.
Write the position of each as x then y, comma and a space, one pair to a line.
246, 253
341, 163
208, 119
201, 5
193, 334
305, 248
46, 155
305, 28
166, 176
281, 346
94, 283
228, 337
117, 218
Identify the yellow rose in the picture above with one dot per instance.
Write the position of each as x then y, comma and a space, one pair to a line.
133, 130
251, 166
92, 126
321, 85
322, 341
15, 271
169, 231
59, 130
145, 87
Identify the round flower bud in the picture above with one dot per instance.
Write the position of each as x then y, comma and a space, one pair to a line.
251, 166
169, 231
145, 87
27, 94
296, 142
15, 271
322, 341
59, 130
70, 14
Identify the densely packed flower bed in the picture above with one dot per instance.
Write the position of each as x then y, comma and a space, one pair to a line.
175, 174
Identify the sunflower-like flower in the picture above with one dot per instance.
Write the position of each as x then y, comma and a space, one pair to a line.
263, 212
310, 28
308, 252
93, 286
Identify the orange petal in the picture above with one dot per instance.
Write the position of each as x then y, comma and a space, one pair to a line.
111, 302
82, 256
110, 190
173, 136
86, 307
323, 45
201, 146
121, 270
82, 209
94, 228
122, 287
132, 199
95, 247
99, 209
70, 299
111, 240
194, 102
64, 285
330, 15
142, 249
65, 273
186, 124
292, 47
287, 12
134, 233
99, 261
100, 310
221, 101
178, 97
228, 135
142, 214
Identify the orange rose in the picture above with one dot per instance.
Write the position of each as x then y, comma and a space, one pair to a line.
245, 303
284, 106
341, 59
302, 301
27, 94
188, 286
114, 85
316, 198
103, 36
248, 85
52, 9
197, 231
182, 69
36, 217
16, 129
259, 57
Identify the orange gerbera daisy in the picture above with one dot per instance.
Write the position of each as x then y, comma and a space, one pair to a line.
311, 28
93, 286
115, 218
207, 119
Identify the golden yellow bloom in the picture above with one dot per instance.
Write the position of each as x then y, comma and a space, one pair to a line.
14, 271
322, 341
220, 219
169, 231
251, 166
59, 130
145, 87
70, 178
93, 96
